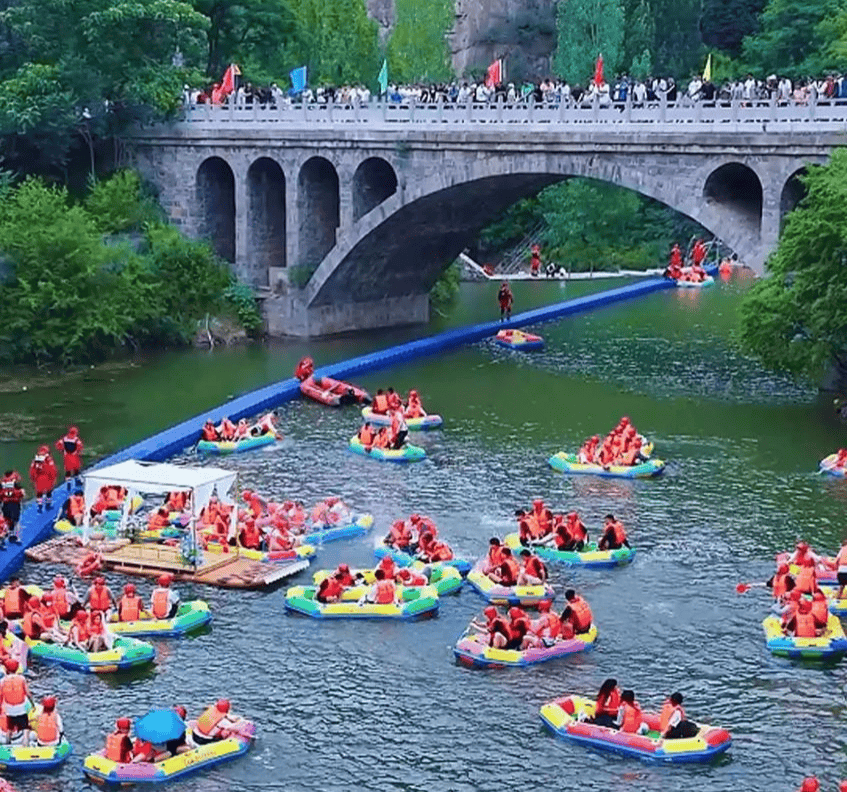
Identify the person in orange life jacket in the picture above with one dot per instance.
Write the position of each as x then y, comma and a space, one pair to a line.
413, 577
386, 564
507, 573
571, 534
841, 568
179, 744
71, 447
250, 536
672, 722
131, 606
13, 599
242, 429
394, 401
782, 582
806, 579
498, 628
494, 557
215, 723
99, 596
73, 509
62, 598
52, 629
399, 535
280, 538
802, 623
548, 625
16, 699
481, 627
366, 435
577, 612
11, 495
346, 577
176, 501
42, 474
607, 704
519, 634
629, 715
330, 588
380, 403
209, 432
506, 299
164, 601
118, 743
32, 624
803, 555
810, 784
99, 637
789, 609
226, 429
383, 591
414, 406
435, 551
614, 535
159, 519
422, 524
533, 573
49, 728
535, 261
382, 439
820, 609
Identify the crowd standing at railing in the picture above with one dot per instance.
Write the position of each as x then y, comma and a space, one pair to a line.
639, 93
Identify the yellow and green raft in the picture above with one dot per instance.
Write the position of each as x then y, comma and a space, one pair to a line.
412, 602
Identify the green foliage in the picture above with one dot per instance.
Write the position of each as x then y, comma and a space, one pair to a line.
116, 204
677, 48
725, 23
512, 226
587, 28
241, 300
417, 49
299, 274
796, 319
444, 292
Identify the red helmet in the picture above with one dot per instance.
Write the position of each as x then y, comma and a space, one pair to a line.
48, 702
129, 588
801, 545
181, 711
842, 787
73, 431
246, 495
810, 784
59, 581
10, 665
415, 518
164, 580
222, 705
515, 612
343, 568
782, 569
544, 606
123, 724
397, 524
490, 611
99, 581
47, 599
538, 502
43, 449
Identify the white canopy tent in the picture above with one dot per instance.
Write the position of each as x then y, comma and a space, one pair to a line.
159, 478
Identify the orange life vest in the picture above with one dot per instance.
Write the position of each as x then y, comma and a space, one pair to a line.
610, 706
366, 436
160, 605
820, 611
780, 584
512, 563
116, 749
207, 722
806, 579
48, 618
47, 730
384, 592
76, 505
668, 709
804, 625
29, 623
380, 404
631, 718
620, 533
129, 608
99, 598
581, 613
13, 689
60, 602
12, 602
82, 633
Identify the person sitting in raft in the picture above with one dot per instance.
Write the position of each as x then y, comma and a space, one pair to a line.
118, 743
632, 455
806, 578
533, 572
614, 535
399, 536
413, 577
804, 556
840, 461
672, 722
366, 436
577, 612
52, 631
16, 700
431, 550
782, 582
629, 719
177, 501
209, 432
164, 601
380, 403
13, 600
499, 631
73, 509
607, 704
99, 596
422, 523
571, 534
131, 606
99, 637
216, 723
387, 565
482, 627
383, 591
179, 744
507, 573
330, 589
242, 430
520, 636
802, 623
841, 568
820, 609
159, 520
49, 729
414, 406
62, 598
399, 430
266, 425
250, 537
494, 557
280, 538
32, 624
535, 525
394, 400
226, 429
382, 439
548, 626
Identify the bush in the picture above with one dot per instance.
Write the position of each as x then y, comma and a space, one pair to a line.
446, 287
116, 204
240, 298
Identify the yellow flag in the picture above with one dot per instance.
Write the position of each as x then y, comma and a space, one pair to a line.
707, 72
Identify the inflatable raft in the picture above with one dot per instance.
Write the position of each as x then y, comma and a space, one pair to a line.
110, 530
125, 653
562, 718
444, 579
827, 467
100, 769
474, 651
402, 559
417, 601
508, 595
836, 606
235, 446
34, 758
333, 392
689, 284
568, 464
518, 339
301, 552
430, 421
830, 646
590, 558
190, 616
408, 453
359, 527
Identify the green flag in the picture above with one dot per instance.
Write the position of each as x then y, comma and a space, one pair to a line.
382, 78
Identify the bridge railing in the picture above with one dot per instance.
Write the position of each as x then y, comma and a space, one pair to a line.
768, 115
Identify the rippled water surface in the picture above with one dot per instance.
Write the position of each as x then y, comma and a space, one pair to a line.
376, 706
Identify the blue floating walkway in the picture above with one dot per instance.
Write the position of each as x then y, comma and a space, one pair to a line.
37, 527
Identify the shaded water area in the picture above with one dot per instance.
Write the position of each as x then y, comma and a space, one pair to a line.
383, 706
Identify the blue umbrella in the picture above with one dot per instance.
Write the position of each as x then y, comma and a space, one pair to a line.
159, 726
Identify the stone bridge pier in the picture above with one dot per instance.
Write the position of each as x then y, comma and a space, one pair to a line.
345, 226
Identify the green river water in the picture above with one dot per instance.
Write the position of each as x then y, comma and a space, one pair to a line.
350, 706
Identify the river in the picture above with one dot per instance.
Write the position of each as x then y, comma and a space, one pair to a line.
377, 706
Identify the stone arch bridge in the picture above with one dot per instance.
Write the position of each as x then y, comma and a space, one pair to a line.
378, 200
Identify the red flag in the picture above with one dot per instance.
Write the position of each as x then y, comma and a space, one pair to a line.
228, 82
598, 71
494, 74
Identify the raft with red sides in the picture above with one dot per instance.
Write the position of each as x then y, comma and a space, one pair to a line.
562, 717
333, 392
518, 339
828, 467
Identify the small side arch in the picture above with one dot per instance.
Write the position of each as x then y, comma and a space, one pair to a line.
737, 188
215, 199
317, 190
266, 219
373, 182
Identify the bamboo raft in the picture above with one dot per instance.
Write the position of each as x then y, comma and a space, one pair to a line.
227, 570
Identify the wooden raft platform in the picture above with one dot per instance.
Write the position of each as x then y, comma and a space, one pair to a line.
150, 560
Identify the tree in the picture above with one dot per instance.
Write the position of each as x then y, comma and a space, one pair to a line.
796, 319
677, 47
417, 49
725, 23
587, 28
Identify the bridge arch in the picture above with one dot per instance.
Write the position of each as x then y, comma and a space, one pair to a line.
215, 200
265, 242
373, 182
319, 209
737, 188
793, 191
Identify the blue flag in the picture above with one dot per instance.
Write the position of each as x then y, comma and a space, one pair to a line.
298, 79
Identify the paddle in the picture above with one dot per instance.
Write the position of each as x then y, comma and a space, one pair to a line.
743, 588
